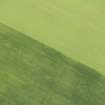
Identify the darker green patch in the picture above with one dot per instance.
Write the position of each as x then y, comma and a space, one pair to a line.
34, 74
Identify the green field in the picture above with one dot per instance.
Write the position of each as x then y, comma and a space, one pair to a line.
74, 27
34, 74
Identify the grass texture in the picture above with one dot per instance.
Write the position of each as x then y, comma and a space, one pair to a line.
34, 74
74, 27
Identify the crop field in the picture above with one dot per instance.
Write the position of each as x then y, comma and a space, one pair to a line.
54, 52
34, 74
74, 27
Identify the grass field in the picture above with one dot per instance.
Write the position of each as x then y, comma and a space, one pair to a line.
34, 74
74, 27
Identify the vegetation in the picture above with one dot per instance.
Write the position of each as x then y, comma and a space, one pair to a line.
34, 74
